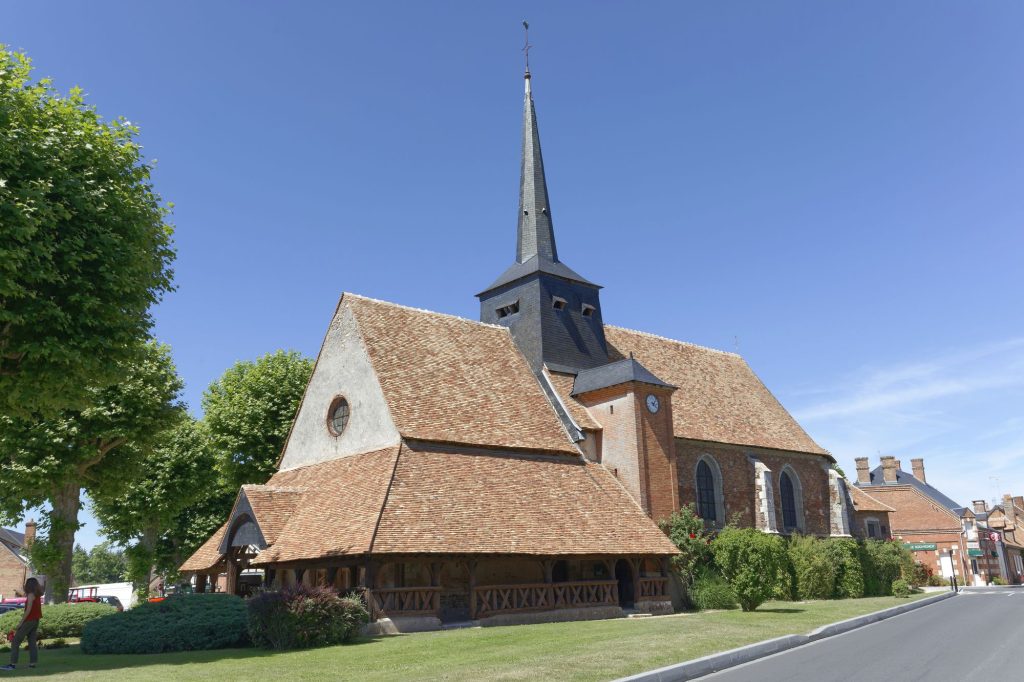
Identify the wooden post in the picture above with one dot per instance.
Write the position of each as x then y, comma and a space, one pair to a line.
471, 567
635, 565
549, 568
231, 584
201, 583
435, 581
664, 567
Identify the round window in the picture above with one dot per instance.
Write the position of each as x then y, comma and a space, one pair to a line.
337, 416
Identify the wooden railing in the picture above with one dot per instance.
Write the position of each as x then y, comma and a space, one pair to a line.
404, 601
653, 588
493, 599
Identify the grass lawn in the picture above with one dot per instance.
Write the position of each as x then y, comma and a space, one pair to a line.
594, 650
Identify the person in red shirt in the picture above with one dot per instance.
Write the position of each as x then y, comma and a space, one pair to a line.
29, 626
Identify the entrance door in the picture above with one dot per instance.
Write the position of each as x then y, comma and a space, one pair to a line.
624, 574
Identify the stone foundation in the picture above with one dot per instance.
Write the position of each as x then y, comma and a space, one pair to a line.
655, 608
554, 616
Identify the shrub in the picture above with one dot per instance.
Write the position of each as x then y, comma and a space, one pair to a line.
180, 623
300, 617
998, 580
686, 531
937, 581
750, 562
883, 561
849, 583
814, 569
59, 620
900, 588
710, 591
920, 575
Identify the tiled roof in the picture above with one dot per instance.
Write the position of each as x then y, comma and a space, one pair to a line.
720, 399
339, 513
863, 502
562, 384
433, 499
903, 478
273, 506
614, 373
447, 379
208, 555
12, 538
450, 501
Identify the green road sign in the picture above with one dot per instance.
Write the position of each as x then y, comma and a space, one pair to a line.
920, 546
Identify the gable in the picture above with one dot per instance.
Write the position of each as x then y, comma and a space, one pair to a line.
720, 399
343, 368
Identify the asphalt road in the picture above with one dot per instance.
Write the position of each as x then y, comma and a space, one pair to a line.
977, 635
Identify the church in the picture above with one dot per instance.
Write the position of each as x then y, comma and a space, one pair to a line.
513, 469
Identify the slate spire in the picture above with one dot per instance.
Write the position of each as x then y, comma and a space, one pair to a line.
536, 235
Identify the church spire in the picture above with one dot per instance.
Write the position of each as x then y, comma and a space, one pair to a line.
536, 235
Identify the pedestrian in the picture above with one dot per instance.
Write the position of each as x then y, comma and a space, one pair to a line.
29, 626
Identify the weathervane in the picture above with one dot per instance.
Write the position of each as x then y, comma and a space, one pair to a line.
526, 45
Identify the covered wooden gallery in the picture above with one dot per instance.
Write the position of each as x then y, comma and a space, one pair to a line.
481, 508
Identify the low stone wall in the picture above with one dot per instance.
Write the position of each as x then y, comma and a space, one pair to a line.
655, 608
400, 625
554, 616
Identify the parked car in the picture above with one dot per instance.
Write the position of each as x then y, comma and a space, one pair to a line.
110, 600
5, 607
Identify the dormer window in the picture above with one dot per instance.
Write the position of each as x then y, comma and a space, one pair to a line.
506, 310
558, 303
588, 310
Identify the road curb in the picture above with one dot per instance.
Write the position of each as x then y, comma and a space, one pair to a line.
688, 670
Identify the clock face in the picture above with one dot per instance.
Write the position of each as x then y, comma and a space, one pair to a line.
652, 403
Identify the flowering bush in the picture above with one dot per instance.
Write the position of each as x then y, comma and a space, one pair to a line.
298, 617
686, 531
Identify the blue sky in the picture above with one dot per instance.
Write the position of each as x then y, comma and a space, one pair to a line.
834, 188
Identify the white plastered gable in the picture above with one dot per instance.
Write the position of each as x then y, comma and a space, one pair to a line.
342, 369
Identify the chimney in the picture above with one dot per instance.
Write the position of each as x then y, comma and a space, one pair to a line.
863, 473
1008, 510
917, 465
980, 506
889, 467
30, 532
1018, 502
899, 467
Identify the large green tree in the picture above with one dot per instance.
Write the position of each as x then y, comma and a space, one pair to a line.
85, 248
48, 462
248, 413
104, 563
171, 505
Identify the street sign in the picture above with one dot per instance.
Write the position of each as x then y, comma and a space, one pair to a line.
920, 546
975, 552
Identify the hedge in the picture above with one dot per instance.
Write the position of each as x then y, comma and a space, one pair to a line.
59, 620
711, 591
750, 561
188, 622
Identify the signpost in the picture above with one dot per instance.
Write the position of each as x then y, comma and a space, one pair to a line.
920, 546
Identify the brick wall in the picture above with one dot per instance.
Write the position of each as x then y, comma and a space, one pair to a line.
12, 574
859, 523
738, 481
616, 411
657, 446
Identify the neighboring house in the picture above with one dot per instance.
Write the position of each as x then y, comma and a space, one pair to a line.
1003, 526
931, 524
14, 564
500, 470
870, 516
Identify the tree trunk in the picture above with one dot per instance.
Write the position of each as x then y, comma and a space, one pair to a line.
63, 523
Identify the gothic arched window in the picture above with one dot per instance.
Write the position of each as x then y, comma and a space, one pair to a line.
706, 492
789, 489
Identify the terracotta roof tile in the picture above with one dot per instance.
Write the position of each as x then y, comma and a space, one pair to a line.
562, 384
450, 501
720, 399
273, 506
447, 379
866, 503
208, 555
338, 516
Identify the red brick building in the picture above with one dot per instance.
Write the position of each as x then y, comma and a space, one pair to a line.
514, 469
1001, 533
14, 565
931, 524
